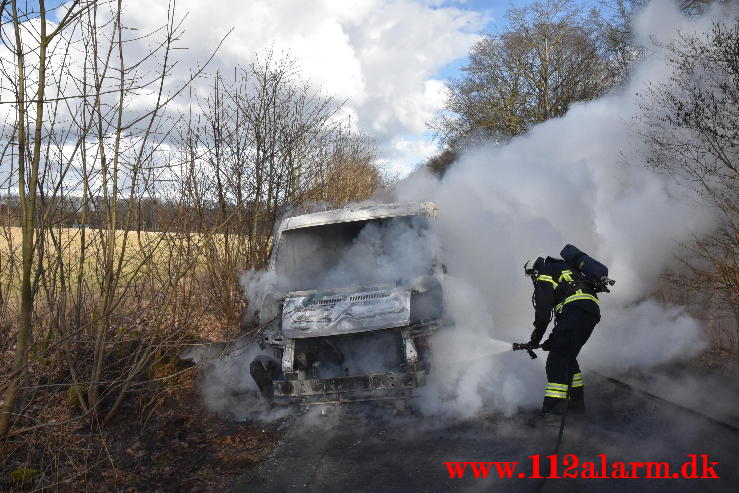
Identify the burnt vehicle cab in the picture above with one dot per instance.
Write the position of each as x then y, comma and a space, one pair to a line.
357, 293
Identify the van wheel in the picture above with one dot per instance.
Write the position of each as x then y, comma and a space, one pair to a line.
264, 370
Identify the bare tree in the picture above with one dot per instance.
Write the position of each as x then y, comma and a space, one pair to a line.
261, 143
28, 165
125, 225
350, 172
83, 156
691, 124
613, 21
547, 59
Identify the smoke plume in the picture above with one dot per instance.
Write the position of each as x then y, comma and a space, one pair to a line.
577, 179
225, 384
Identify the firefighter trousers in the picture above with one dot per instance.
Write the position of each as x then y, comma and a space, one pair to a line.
571, 331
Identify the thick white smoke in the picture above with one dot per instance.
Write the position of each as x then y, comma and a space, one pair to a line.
381, 253
225, 384
400, 250
577, 179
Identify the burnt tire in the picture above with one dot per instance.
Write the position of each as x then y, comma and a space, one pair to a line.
264, 370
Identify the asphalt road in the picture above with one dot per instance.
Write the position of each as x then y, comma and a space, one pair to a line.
374, 450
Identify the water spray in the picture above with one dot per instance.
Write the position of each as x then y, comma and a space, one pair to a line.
485, 347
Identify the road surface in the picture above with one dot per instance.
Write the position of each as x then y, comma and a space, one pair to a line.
372, 450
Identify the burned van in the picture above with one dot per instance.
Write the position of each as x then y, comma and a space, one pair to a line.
357, 294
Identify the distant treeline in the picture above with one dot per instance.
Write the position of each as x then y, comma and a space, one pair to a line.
147, 214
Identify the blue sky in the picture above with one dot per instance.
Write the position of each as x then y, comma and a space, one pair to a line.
494, 14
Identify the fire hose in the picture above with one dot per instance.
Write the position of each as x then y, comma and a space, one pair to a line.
529, 348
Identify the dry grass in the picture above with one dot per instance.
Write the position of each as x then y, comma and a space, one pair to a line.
146, 254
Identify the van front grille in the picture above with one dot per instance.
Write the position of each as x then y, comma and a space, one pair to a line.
369, 296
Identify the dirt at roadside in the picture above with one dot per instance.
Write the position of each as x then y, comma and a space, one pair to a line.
175, 446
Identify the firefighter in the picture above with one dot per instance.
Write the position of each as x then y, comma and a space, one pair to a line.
565, 292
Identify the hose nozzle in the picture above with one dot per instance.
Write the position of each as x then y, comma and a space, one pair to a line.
525, 346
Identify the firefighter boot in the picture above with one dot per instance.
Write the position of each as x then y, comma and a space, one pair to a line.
577, 401
551, 411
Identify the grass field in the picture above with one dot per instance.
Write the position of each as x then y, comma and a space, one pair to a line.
147, 255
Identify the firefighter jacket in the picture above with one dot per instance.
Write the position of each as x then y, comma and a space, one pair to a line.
558, 287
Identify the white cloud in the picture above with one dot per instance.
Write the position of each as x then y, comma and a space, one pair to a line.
403, 154
379, 55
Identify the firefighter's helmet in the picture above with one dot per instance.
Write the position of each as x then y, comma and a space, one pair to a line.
533, 266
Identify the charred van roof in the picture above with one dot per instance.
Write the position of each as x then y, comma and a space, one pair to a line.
358, 213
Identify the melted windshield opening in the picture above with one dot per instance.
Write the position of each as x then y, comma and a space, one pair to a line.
361, 253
